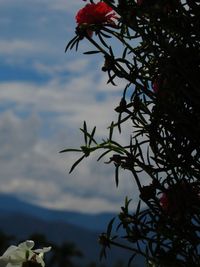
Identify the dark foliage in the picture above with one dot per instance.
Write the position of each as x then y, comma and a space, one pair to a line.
161, 63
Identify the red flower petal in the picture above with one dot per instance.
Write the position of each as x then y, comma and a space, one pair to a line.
164, 202
95, 14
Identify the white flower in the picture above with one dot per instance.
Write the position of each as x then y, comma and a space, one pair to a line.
15, 256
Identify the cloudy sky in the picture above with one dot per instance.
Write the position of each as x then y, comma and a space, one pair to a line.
45, 95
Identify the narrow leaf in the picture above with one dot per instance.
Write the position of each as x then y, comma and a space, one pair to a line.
131, 259
91, 52
117, 175
70, 150
138, 208
91, 136
85, 131
102, 40
103, 253
71, 43
109, 228
111, 131
103, 154
76, 163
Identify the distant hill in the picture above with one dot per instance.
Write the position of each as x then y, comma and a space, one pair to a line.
22, 219
92, 222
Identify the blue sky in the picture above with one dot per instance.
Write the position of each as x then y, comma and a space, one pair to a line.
45, 95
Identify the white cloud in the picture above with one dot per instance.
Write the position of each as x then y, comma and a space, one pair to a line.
75, 98
33, 31
82, 204
13, 143
32, 169
58, 5
76, 66
20, 47
62, 5
38, 119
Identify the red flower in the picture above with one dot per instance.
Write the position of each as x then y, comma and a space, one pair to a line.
164, 202
139, 2
155, 86
95, 14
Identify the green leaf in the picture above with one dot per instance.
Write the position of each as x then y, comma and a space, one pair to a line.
71, 43
127, 202
103, 253
111, 78
111, 130
103, 154
131, 259
109, 228
85, 132
92, 52
102, 40
125, 52
91, 136
77, 43
76, 163
70, 150
117, 175
138, 208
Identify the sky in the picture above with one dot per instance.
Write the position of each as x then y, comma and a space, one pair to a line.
45, 96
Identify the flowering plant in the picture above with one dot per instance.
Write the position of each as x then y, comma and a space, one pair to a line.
21, 255
160, 62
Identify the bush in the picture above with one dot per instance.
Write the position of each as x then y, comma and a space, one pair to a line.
160, 63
